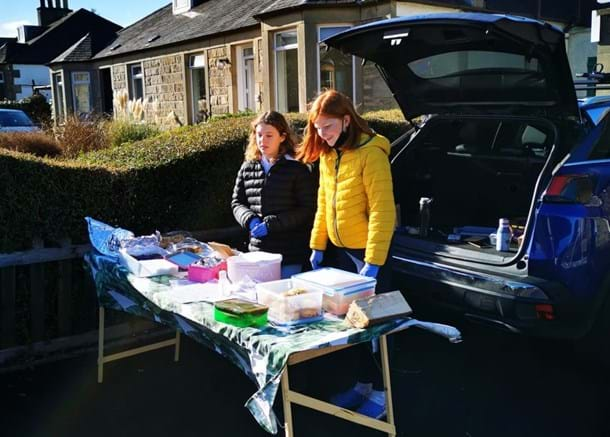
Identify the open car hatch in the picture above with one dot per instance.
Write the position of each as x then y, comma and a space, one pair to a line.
451, 63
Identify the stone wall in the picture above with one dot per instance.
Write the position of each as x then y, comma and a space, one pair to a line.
375, 93
165, 90
119, 78
220, 81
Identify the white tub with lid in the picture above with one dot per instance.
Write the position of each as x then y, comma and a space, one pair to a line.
258, 266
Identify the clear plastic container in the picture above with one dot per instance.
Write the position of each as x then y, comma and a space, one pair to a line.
288, 304
340, 287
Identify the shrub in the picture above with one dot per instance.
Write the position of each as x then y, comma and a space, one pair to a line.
124, 131
36, 143
76, 136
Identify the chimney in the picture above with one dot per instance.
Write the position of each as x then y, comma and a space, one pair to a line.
50, 13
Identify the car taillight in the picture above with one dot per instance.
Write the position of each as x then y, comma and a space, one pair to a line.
545, 312
574, 188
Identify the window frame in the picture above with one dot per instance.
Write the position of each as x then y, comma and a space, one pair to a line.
132, 78
276, 50
59, 95
80, 82
242, 96
319, 47
204, 67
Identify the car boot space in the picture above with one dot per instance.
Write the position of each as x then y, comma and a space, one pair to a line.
476, 171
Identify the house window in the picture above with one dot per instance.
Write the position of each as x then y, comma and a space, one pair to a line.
81, 93
286, 72
336, 69
199, 95
58, 83
136, 82
245, 73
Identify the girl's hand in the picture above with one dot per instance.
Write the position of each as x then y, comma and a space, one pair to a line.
254, 222
369, 270
316, 258
260, 230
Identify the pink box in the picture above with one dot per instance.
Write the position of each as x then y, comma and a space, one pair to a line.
197, 273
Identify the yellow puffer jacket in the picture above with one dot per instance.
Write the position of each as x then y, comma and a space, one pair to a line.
355, 200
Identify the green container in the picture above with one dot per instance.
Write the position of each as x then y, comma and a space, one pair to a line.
240, 313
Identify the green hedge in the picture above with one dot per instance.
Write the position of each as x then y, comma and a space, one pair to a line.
181, 179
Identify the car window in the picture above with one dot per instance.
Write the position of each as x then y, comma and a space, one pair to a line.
14, 119
491, 138
467, 62
601, 147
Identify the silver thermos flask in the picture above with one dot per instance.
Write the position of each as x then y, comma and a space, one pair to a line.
424, 215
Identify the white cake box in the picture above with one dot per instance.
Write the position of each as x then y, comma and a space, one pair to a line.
148, 267
287, 309
258, 266
340, 287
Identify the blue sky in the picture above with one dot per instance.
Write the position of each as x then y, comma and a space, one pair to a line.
123, 12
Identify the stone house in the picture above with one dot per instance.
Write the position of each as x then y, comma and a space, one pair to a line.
195, 58
23, 60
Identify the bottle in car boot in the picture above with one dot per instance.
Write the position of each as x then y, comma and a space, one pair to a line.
424, 216
503, 235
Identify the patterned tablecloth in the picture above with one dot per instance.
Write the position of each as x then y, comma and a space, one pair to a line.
261, 353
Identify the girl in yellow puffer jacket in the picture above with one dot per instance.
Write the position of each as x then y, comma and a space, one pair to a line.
355, 210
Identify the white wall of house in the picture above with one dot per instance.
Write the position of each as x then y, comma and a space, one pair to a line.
409, 8
38, 73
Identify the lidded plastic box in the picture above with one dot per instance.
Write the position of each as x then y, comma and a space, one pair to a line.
340, 287
199, 273
240, 313
258, 266
288, 304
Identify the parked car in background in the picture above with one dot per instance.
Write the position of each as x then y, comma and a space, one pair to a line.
503, 136
15, 120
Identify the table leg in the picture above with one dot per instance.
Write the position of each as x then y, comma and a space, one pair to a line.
385, 366
100, 346
286, 403
177, 348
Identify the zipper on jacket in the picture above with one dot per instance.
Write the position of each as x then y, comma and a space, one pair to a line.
337, 163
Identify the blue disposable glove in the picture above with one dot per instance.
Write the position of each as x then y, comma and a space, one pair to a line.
260, 230
316, 258
369, 270
254, 222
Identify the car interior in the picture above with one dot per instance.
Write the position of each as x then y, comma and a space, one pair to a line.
476, 170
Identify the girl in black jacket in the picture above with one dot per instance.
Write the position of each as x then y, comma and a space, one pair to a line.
275, 195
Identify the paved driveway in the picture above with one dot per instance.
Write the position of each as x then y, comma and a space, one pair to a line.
491, 385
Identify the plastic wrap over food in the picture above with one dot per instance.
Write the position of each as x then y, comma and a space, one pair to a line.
106, 239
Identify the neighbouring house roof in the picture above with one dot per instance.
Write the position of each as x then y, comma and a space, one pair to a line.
163, 28
85, 48
59, 37
279, 6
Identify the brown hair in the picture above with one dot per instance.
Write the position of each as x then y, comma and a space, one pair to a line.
277, 120
331, 103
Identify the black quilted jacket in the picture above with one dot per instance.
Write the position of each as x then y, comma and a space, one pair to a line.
285, 199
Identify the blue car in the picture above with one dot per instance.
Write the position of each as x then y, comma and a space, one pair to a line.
498, 133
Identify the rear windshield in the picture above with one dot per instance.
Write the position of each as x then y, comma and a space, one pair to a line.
14, 119
478, 69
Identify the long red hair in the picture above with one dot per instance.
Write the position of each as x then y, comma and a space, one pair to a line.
331, 103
